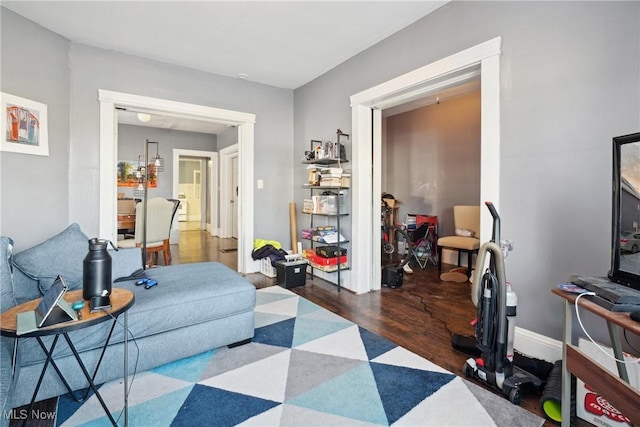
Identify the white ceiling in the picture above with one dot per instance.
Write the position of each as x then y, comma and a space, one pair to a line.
278, 43
171, 122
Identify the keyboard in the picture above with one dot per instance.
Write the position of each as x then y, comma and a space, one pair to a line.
609, 295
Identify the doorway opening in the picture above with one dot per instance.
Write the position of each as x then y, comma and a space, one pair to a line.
431, 157
367, 107
244, 122
195, 182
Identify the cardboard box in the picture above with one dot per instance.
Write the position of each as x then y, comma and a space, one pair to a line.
592, 407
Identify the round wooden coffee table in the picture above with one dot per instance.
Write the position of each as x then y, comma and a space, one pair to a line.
121, 301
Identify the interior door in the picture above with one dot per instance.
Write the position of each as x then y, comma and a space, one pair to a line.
234, 197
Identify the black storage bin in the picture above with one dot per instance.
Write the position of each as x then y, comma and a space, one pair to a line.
330, 251
392, 277
291, 274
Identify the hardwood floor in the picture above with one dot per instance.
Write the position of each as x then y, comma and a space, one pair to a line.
421, 316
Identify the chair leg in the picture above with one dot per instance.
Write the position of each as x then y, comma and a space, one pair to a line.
470, 262
166, 252
439, 258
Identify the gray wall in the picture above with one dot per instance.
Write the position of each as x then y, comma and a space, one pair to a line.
569, 83
432, 159
67, 77
131, 142
95, 69
34, 196
227, 138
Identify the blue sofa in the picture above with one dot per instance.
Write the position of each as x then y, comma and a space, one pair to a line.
195, 308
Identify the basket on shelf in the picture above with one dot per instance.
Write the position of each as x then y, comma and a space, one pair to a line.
266, 268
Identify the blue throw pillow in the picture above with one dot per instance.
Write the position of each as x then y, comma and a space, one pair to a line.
7, 298
62, 255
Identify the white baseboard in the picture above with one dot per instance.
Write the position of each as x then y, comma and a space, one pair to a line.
536, 345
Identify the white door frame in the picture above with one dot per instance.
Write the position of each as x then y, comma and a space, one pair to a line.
366, 115
212, 179
226, 211
109, 149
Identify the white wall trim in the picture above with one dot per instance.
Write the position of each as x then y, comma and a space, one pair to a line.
535, 345
108, 157
366, 275
226, 156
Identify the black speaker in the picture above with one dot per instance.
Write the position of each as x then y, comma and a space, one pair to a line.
392, 277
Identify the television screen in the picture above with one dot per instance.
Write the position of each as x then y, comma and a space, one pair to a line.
625, 237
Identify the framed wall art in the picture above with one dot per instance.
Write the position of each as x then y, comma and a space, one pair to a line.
24, 128
128, 177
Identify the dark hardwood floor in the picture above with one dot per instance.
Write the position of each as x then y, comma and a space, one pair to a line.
420, 316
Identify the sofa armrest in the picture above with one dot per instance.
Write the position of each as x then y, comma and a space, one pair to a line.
125, 261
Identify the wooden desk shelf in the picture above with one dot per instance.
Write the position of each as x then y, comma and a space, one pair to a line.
614, 388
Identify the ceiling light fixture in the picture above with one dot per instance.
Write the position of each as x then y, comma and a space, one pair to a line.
144, 117
243, 76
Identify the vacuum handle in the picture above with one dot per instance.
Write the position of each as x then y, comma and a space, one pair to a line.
492, 209
495, 235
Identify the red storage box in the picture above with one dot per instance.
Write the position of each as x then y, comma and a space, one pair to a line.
324, 262
431, 220
328, 261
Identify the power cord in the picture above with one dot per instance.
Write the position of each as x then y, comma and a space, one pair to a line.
633, 361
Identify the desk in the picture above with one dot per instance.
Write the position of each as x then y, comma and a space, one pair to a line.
121, 301
616, 390
126, 221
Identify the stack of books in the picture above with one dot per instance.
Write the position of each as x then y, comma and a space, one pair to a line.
325, 176
314, 175
330, 177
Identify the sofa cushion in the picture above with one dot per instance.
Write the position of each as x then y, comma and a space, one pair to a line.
7, 298
61, 254
186, 295
24, 287
124, 262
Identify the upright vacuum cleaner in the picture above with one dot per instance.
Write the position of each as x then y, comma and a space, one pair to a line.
495, 324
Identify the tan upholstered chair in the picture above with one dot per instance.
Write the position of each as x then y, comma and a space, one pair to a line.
465, 218
161, 213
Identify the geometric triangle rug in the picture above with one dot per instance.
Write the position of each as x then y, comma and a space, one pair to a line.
305, 366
